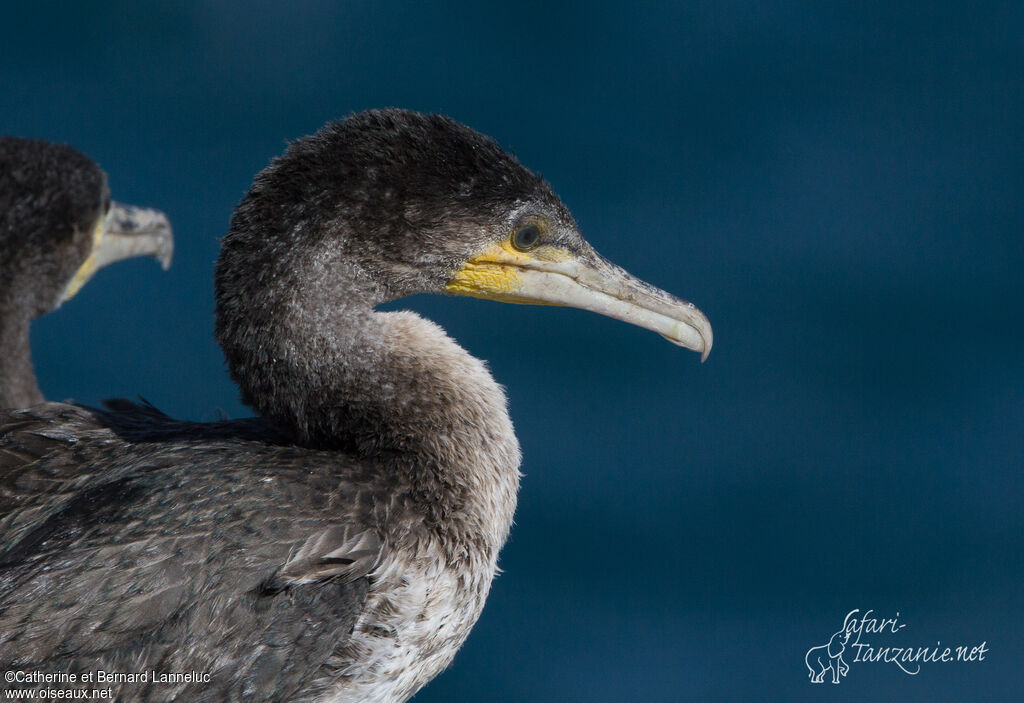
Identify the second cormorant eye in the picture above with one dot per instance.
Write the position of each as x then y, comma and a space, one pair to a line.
526, 237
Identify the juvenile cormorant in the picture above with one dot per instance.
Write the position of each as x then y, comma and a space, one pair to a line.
57, 228
339, 547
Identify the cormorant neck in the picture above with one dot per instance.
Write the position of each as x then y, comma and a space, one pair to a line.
18, 387
311, 353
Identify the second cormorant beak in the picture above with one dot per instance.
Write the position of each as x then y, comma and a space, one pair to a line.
126, 231
553, 275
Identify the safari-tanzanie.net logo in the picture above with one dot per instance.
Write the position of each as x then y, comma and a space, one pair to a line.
867, 638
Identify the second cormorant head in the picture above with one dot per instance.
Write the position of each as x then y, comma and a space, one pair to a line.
58, 226
389, 203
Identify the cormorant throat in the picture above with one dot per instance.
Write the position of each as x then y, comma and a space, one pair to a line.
310, 352
18, 388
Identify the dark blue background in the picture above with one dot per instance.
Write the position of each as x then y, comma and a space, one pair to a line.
839, 188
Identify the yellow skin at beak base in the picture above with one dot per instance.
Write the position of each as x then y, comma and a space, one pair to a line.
494, 273
88, 267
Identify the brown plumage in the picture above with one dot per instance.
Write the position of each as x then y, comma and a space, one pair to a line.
341, 546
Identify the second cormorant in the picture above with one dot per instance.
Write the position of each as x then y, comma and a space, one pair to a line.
58, 226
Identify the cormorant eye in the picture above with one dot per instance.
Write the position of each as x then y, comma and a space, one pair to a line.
526, 237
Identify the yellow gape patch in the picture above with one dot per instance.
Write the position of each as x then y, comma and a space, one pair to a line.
494, 273
88, 267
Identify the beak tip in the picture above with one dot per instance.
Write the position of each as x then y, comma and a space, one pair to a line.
694, 335
708, 342
165, 258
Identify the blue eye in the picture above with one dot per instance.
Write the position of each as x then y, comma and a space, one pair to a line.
526, 237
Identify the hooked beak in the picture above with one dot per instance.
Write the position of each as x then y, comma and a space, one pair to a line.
552, 275
131, 231
125, 232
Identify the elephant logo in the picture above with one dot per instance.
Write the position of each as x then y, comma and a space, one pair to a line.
828, 656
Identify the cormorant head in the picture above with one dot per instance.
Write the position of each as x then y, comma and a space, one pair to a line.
419, 203
58, 225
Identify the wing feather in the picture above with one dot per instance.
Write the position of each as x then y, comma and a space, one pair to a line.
126, 537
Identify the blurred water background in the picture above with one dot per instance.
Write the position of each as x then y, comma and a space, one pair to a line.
838, 186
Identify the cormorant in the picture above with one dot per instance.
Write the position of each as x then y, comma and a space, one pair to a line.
57, 228
340, 546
